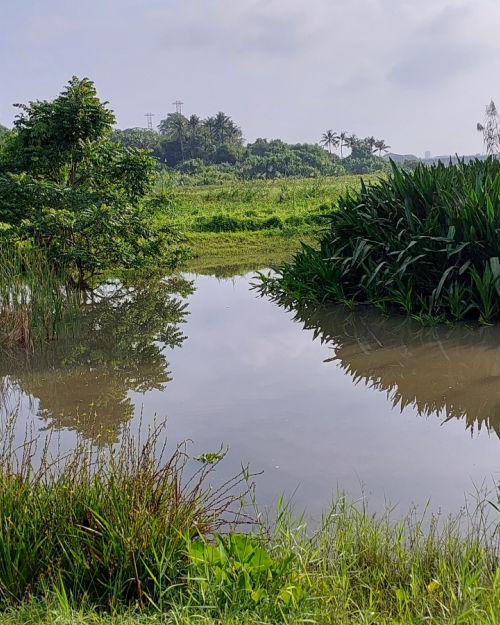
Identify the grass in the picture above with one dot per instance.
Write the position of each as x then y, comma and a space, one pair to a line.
423, 242
240, 226
138, 535
35, 304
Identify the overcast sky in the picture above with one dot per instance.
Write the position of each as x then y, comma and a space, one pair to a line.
417, 73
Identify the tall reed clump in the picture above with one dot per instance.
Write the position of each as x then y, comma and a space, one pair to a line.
34, 300
105, 527
425, 242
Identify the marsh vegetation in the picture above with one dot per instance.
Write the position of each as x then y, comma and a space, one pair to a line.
124, 524
424, 243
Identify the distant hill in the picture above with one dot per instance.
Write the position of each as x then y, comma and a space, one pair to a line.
401, 158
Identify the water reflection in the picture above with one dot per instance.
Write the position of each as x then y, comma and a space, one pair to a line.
82, 382
453, 371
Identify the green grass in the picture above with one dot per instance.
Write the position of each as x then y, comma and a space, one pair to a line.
240, 226
35, 304
425, 242
131, 536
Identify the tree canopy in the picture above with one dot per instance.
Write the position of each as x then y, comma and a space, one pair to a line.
69, 189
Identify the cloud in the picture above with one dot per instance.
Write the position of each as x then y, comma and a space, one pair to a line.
438, 51
286, 68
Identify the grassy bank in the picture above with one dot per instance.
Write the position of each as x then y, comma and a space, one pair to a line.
139, 535
249, 225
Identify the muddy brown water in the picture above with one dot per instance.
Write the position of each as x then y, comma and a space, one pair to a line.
319, 401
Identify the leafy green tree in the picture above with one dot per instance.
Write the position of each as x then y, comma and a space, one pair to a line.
138, 138
65, 186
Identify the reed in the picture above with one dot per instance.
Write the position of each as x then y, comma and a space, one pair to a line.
105, 527
35, 302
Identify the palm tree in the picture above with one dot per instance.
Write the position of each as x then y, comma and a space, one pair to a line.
343, 136
175, 126
350, 141
222, 126
329, 139
371, 141
194, 133
381, 146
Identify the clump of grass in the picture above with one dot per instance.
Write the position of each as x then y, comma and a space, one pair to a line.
34, 301
107, 527
130, 540
425, 242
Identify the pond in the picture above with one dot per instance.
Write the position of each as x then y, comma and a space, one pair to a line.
320, 402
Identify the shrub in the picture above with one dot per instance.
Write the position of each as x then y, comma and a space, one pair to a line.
426, 242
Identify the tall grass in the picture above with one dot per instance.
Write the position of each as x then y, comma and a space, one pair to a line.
107, 527
34, 300
137, 531
426, 242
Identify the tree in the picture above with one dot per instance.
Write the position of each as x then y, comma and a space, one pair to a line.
381, 146
490, 129
330, 139
343, 137
137, 138
174, 127
222, 129
72, 192
194, 135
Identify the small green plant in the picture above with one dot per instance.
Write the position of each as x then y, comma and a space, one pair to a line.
210, 457
237, 570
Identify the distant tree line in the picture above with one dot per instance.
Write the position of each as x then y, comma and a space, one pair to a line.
214, 147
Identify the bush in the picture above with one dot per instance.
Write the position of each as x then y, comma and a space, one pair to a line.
426, 242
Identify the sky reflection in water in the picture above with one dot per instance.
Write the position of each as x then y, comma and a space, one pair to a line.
354, 402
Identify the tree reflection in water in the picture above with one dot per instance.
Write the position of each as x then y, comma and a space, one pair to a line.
82, 380
451, 371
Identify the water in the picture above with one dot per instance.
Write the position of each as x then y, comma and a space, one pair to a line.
379, 408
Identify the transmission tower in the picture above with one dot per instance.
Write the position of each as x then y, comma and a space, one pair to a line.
150, 120
178, 106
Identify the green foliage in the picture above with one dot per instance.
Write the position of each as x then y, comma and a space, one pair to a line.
109, 528
66, 187
237, 570
426, 242
210, 457
3, 133
356, 567
35, 305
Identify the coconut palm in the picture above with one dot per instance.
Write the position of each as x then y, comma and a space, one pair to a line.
175, 127
329, 139
381, 146
343, 136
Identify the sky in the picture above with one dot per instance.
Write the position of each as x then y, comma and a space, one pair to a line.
416, 73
